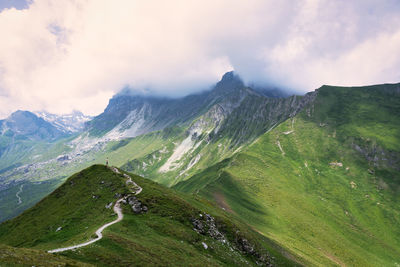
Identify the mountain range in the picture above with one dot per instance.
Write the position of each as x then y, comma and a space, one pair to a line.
67, 123
315, 176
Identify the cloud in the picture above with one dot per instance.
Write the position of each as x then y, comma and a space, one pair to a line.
61, 55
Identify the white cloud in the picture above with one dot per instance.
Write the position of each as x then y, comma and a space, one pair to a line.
61, 55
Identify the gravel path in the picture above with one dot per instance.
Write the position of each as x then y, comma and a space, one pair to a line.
18, 194
117, 209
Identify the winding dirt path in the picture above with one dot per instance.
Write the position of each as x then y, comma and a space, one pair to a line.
117, 209
18, 194
280, 147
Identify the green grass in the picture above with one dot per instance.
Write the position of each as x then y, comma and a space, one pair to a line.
162, 236
15, 257
73, 206
325, 214
31, 193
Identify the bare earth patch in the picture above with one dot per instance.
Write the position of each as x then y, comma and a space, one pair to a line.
334, 259
220, 199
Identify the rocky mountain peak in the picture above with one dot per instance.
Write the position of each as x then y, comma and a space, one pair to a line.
27, 125
230, 82
21, 114
67, 123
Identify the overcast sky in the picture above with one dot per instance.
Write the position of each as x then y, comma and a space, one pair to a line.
60, 55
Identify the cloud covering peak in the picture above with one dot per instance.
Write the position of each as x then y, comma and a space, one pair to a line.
61, 55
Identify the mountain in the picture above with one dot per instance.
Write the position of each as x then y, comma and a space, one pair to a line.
23, 125
166, 140
325, 183
131, 115
159, 227
27, 143
318, 174
67, 123
21, 133
232, 117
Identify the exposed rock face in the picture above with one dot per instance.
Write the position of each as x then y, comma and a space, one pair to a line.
67, 123
207, 225
255, 114
378, 156
245, 246
136, 205
63, 158
156, 112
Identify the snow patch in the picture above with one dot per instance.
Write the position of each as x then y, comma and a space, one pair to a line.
68, 123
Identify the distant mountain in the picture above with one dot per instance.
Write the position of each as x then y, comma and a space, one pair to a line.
22, 125
24, 137
67, 123
131, 115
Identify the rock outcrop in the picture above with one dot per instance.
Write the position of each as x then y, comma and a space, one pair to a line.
207, 225
136, 205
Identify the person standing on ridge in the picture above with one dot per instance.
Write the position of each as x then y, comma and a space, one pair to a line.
107, 162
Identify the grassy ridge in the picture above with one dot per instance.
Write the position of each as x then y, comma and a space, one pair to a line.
78, 207
162, 236
308, 187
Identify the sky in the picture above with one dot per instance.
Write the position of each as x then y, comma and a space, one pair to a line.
64, 55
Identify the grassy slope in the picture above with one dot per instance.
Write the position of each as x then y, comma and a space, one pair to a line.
57, 172
27, 151
162, 236
14, 257
74, 206
9, 204
326, 214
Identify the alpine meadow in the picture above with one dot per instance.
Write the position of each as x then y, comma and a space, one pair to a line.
220, 144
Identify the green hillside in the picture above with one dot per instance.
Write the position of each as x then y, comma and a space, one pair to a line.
15, 257
168, 233
324, 184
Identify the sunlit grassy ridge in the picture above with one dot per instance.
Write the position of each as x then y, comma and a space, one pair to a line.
319, 184
162, 236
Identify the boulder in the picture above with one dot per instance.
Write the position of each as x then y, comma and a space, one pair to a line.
136, 205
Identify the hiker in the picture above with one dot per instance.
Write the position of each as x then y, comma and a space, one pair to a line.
107, 162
